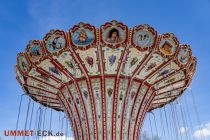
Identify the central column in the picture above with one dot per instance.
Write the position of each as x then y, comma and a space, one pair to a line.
133, 101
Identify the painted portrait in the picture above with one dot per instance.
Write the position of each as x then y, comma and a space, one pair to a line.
143, 39
35, 52
114, 35
83, 37
167, 47
55, 43
183, 56
23, 63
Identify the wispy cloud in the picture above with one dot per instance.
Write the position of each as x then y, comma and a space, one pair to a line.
203, 132
183, 130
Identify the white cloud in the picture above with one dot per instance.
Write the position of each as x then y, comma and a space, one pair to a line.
203, 132
183, 130
57, 138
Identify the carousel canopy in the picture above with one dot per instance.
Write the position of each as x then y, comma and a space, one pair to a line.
105, 79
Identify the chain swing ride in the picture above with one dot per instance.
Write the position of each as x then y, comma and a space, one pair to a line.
107, 80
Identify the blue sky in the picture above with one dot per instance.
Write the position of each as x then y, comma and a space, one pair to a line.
23, 20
